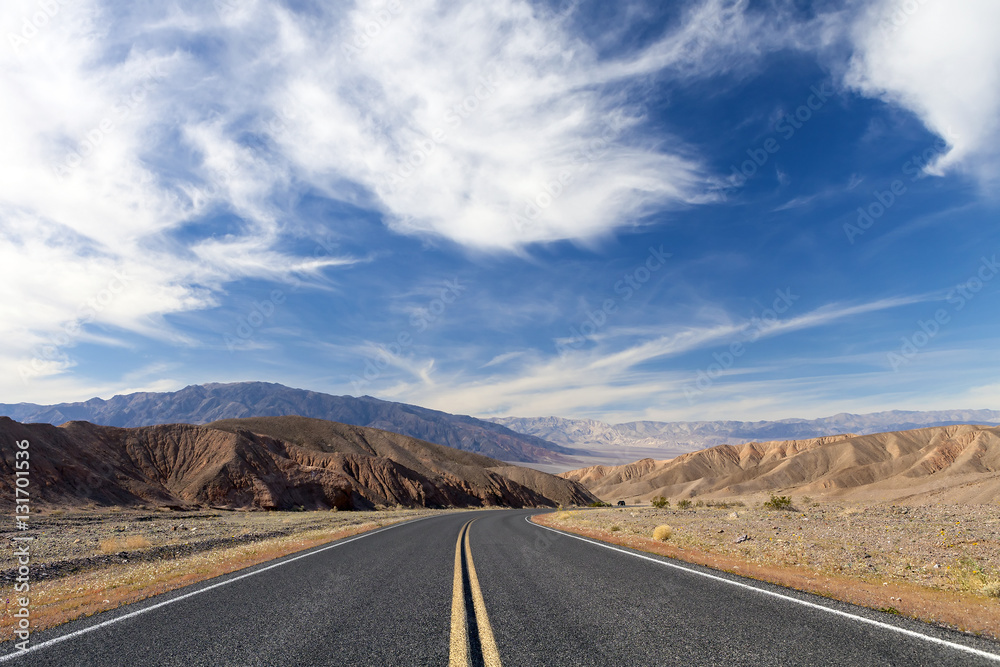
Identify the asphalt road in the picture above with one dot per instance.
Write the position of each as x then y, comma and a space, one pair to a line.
392, 598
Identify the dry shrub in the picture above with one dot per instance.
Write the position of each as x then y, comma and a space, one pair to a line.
114, 545
615, 528
780, 503
974, 577
563, 516
662, 533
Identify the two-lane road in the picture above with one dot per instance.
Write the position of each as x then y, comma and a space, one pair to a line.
442, 590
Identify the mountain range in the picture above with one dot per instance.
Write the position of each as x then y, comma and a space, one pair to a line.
263, 463
201, 404
675, 438
550, 443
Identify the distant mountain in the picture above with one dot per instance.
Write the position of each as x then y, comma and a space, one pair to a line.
200, 404
679, 437
957, 464
265, 463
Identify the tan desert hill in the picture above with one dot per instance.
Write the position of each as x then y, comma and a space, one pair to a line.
938, 464
80, 464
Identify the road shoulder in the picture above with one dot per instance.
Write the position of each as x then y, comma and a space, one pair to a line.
967, 613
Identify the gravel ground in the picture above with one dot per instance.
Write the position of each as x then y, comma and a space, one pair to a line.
86, 562
945, 547
70, 542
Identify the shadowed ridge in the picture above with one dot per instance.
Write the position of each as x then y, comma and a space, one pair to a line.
249, 464
473, 476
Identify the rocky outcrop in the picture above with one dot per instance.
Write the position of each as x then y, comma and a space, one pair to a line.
461, 478
249, 464
950, 463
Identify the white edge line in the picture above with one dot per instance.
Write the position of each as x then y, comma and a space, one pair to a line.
789, 598
133, 614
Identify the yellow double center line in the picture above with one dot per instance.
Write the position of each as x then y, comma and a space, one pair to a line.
461, 646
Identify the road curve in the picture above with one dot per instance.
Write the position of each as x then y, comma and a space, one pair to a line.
390, 598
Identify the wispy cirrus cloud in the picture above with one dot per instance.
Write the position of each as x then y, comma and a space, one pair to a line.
595, 380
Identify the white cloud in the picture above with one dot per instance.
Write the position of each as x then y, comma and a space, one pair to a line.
941, 60
483, 125
108, 153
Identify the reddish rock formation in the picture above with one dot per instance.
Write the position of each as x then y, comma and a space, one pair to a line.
247, 464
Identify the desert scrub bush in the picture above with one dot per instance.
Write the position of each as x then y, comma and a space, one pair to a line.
615, 528
976, 578
662, 533
660, 502
779, 503
684, 503
563, 516
599, 503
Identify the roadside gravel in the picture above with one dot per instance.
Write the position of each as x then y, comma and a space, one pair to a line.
938, 563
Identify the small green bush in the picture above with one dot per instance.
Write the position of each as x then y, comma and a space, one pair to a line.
615, 528
779, 503
599, 503
684, 504
660, 502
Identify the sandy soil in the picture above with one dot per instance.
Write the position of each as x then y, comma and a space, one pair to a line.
937, 563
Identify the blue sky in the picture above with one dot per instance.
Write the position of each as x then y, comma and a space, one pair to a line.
718, 210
